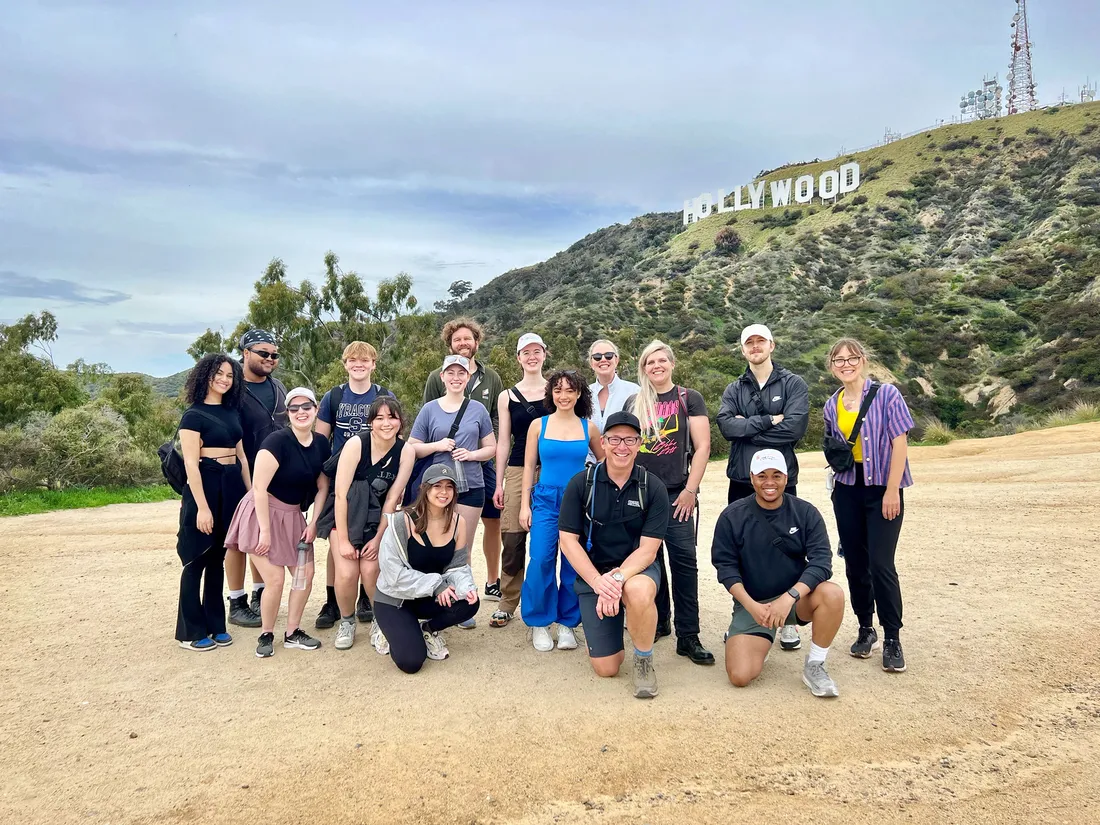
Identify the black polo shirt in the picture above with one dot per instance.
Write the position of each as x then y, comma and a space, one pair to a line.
620, 521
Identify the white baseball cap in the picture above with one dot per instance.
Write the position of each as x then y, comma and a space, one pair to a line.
529, 338
301, 392
768, 460
455, 360
755, 329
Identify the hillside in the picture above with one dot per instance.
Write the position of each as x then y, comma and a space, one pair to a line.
967, 259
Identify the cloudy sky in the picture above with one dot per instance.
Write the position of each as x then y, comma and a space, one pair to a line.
155, 156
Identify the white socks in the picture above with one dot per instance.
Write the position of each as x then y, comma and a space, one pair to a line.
236, 594
817, 654
256, 586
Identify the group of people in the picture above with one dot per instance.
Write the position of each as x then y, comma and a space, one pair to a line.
584, 492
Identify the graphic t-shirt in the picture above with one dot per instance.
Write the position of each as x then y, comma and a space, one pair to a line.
663, 455
351, 412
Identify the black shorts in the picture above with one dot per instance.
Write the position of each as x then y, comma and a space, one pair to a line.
472, 498
604, 637
489, 472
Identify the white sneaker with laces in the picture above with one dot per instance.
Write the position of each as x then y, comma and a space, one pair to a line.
437, 648
345, 635
789, 638
567, 639
378, 640
542, 640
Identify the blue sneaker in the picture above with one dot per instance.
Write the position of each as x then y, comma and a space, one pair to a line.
199, 644
469, 624
222, 639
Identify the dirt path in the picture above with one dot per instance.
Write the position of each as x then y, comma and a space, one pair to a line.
104, 720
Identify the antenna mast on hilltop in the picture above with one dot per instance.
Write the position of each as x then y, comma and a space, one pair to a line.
1021, 84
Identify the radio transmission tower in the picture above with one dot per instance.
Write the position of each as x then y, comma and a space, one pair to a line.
1021, 83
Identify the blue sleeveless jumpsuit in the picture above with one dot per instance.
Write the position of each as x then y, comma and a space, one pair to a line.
544, 599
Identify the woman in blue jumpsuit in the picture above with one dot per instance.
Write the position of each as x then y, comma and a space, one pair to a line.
557, 445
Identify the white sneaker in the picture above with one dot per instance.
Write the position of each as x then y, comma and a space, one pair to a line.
378, 639
567, 639
437, 648
542, 640
789, 638
345, 635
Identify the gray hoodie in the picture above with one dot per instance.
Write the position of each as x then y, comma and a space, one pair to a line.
397, 581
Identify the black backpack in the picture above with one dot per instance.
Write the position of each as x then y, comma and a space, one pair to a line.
590, 494
171, 460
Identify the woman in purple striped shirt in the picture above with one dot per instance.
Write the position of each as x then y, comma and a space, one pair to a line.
867, 499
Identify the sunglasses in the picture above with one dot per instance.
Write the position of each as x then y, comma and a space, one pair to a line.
264, 354
305, 405
628, 440
600, 356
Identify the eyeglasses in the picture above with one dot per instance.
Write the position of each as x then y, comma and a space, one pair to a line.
600, 356
851, 361
628, 440
305, 406
264, 354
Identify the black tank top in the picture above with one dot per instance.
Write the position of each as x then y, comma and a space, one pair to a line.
427, 558
522, 413
385, 468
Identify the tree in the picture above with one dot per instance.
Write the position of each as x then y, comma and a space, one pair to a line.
29, 382
207, 343
150, 418
457, 290
727, 241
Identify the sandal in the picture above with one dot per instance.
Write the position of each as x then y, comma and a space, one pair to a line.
499, 619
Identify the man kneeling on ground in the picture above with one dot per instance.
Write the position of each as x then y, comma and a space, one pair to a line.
772, 554
612, 521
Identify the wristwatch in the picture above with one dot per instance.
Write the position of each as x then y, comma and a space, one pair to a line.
794, 594
617, 575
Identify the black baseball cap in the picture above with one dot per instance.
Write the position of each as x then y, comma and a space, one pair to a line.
437, 473
625, 418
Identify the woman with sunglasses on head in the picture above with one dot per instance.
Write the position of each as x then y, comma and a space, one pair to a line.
867, 498
609, 391
517, 408
425, 583
217, 478
557, 446
372, 470
269, 523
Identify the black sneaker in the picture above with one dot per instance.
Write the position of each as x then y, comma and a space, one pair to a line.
301, 640
328, 616
691, 647
492, 591
866, 644
255, 603
266, 646
893, 660
241, 614
363, 610
663, 629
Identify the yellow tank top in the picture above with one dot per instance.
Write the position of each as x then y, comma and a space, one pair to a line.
846, 420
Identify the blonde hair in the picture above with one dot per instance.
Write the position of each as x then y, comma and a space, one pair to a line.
853, 346
645, 404
361, 350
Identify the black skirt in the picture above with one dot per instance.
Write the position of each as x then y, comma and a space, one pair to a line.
364, 513
224, 488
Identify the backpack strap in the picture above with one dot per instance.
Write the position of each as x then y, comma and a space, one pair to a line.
531, 411
681, 397
863, 408
589, 499
334, 407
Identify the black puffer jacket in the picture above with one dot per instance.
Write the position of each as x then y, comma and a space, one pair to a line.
784, 393
257, 422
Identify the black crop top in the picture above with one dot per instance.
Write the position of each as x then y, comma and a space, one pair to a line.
295, 482
217, 425
521, 418
427, 558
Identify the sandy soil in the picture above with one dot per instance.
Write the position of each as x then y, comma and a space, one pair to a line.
104, 720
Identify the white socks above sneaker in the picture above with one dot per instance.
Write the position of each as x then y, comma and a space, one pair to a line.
236, 594
256, 586
817, 654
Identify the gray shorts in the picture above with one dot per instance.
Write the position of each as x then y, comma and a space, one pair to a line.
604, 637
743, 622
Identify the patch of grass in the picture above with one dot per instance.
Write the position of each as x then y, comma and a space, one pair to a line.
42, 501
935, 431
1080, 413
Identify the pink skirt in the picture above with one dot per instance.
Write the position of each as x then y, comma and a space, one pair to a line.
287, 526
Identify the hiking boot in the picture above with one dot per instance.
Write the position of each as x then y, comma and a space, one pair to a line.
222, 639
199, 644
329, 615
379, 641
817, 680
437, 648
363, 610
254, 605
893, 660
567, 639
663, 629
645, 679
691, 647
499, 618
300, 640
345, 636
492, 591
789, 638
241, 614
266, 646
866, 644
541, 639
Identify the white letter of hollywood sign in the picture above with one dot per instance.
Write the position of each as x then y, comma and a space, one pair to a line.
828, 186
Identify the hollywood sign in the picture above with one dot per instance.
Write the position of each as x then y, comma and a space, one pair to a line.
828, 186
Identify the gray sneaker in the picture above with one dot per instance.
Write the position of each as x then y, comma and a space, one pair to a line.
345, 635
266, 646
789, 638
645, 680
817, 680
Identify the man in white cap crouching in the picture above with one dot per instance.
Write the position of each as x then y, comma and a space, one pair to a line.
772, 554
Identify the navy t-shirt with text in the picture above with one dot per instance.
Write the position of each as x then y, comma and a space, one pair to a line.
351, 413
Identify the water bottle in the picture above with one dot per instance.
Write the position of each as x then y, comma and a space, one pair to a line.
299, 580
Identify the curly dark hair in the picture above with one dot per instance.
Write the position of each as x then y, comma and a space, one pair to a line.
573, 378
198, 382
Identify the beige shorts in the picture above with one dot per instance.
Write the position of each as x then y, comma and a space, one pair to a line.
513, 498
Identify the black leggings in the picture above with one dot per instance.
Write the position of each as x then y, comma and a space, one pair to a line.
402, 626
202, 616
869, 542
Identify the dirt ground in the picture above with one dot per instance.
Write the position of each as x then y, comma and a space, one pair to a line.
104, 720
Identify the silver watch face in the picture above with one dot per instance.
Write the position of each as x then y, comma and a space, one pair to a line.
617, 577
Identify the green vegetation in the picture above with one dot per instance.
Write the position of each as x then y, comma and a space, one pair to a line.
1080, 413
934, 431
28, 502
